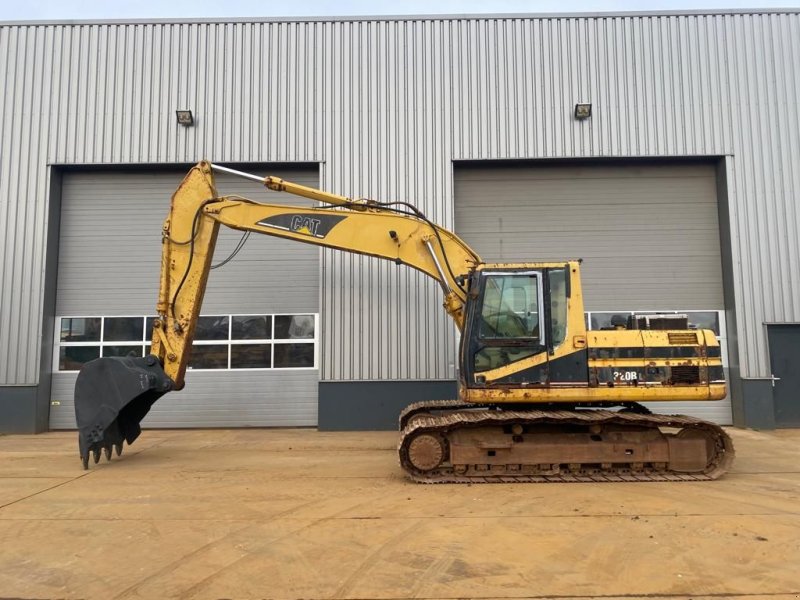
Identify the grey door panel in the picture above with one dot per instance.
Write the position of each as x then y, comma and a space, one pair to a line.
784, 358
648, 234
109, 261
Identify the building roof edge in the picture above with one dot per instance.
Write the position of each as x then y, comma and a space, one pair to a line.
398, 18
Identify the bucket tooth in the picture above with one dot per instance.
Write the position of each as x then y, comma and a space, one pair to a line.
96, 455
107, 452
118, 448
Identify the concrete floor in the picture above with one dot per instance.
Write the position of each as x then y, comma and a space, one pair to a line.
302, 514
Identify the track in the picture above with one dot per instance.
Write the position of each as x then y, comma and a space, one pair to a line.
443, 422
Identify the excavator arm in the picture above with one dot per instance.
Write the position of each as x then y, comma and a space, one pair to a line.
112, 395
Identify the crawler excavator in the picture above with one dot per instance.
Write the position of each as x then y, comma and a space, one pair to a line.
540, 398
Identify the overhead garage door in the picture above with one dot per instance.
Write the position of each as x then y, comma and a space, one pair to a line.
648, 234
108, 271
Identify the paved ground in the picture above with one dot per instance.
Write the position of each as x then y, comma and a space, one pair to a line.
302, 514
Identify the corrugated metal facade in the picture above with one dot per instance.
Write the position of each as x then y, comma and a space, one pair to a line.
386, 106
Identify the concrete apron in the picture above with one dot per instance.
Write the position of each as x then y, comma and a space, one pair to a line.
302, 514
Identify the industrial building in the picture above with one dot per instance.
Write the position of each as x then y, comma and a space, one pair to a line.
659, 148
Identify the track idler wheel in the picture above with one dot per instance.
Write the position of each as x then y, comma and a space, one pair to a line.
691, 450
427, 452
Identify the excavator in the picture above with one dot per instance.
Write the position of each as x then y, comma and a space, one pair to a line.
541, 398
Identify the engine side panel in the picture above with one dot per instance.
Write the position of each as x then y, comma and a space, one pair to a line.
617, 366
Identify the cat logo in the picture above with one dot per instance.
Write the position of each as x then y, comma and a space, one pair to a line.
305, 225
311, 224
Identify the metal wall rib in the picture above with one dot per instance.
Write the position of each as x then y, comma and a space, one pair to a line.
386, 106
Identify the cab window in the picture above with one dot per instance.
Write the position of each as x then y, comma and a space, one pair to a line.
510, 307
558, 305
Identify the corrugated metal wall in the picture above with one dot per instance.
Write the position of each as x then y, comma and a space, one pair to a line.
386, 105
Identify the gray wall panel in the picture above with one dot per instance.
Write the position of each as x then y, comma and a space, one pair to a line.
19, 405
371, 405
387, 105
220, 399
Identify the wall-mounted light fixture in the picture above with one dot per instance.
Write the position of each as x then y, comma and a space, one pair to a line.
185, 117
583, 110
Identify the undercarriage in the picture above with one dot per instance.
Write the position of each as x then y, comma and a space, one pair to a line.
453, 442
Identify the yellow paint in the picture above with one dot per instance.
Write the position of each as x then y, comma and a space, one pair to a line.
653, 362
364, 230
618, 393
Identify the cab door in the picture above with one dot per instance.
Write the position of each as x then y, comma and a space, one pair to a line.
506, 324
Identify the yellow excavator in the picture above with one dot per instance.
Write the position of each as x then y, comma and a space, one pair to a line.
541, 398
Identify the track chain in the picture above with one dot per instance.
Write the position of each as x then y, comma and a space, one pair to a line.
429, 406
457, 415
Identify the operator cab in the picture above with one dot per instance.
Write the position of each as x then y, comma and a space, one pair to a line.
515, 312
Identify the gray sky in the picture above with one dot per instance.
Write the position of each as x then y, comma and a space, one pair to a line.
133, 9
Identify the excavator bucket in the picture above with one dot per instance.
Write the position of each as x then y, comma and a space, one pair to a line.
112, 396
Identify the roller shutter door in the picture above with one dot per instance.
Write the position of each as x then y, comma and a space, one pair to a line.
649, 235
109, 260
